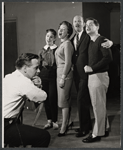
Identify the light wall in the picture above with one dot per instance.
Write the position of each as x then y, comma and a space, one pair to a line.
34, 18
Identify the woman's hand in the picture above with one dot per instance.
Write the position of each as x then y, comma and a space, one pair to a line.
37, 81
61, 83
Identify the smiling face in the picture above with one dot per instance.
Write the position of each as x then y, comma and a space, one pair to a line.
62, 31
50, 38
91, 28
78, 23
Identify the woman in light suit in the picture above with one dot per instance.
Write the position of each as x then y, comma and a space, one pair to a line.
63, 56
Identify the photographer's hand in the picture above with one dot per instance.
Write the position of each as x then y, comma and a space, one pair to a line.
37, 81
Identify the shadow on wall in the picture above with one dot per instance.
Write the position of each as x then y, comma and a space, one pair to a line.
114, 72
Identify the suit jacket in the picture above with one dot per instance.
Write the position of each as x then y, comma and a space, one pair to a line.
80, 56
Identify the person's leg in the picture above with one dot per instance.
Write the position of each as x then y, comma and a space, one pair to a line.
64, 103
107, 126
45, 87
97, 89
53, 100
70, 122
83, 103
98, 84
65, 112
45, 84
18, 134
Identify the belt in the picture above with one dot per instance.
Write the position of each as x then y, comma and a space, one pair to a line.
9, 121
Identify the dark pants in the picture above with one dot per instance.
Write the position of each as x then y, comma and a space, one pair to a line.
51, 104
83, 104
16, 134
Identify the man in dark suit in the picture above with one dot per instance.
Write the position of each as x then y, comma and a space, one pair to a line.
80, 59
81, 42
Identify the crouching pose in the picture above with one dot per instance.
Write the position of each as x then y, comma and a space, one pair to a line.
20, 85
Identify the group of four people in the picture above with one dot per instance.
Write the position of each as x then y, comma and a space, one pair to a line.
74, 59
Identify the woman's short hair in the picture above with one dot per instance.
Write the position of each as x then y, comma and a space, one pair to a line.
69, 27
25, 59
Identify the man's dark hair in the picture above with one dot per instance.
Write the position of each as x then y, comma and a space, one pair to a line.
69, 27
94, 20
25, 59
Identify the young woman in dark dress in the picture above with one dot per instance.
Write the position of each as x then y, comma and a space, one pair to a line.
48, 77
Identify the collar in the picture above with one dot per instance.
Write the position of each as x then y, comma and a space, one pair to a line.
79, 33
51, 47
19, 73
93, 38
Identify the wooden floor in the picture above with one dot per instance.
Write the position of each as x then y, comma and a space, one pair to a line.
70, 141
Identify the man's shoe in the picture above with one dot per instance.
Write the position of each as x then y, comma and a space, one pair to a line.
77, 130
106, 134
81, 134
90, 139
48, 125
55, 125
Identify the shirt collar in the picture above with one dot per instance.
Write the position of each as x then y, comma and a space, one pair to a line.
18, 73
79, 33
51, 47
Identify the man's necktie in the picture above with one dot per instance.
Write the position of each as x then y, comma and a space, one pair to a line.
77, 40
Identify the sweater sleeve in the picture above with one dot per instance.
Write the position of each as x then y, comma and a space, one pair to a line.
106, 57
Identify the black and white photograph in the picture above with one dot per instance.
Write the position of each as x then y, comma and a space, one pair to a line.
61, 74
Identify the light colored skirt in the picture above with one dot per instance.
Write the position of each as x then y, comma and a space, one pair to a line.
64, 94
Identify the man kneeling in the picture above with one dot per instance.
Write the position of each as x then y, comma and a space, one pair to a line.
20, 85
